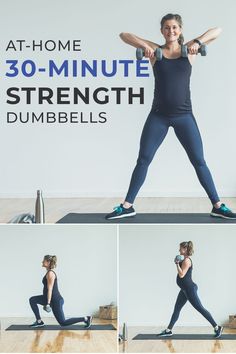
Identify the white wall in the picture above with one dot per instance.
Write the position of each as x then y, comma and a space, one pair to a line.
86, 266
97, 160
148, 288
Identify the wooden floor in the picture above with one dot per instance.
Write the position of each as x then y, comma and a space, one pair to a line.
56, 208
42, 341
176, 346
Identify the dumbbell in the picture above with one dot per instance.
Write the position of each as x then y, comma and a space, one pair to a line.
202, 50
47, 308
140, 53
158, 52
179, 258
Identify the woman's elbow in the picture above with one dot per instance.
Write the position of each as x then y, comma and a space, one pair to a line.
125, 36
217, 31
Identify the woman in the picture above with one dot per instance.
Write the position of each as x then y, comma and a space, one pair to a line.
52, 299
188, 291
171, 108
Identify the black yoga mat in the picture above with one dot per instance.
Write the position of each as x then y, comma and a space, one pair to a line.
148, 218
98, 327
185, 337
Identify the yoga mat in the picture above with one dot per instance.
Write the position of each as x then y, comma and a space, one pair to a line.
149, 218
185, 337
98, 327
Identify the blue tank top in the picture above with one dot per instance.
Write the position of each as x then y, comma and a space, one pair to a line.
186, 281
55, 292
172, 86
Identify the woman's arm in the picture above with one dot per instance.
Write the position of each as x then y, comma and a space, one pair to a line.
50, 282
137, 42
207, 37
185, 266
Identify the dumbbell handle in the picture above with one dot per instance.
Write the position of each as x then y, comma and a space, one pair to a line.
199, 50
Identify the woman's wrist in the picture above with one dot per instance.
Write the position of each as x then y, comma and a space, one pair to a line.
197, 40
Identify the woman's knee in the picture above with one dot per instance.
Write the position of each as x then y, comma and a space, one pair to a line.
61, 322
144, 160
198, 162
59, 317
31, 299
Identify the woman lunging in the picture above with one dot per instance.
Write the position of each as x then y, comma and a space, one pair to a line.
188, 291
51, 300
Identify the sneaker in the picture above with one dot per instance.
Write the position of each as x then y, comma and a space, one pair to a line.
88, 322
165, 333
121, 212
218, 332
37, 324
223, 212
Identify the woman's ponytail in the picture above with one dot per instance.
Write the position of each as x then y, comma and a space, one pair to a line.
189, 246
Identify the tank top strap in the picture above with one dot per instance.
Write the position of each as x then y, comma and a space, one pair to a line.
50, 270
190, 261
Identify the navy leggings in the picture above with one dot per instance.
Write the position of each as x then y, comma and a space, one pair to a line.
191, 296
153, 134
57, 309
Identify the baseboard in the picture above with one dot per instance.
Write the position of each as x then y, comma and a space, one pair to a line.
113, 194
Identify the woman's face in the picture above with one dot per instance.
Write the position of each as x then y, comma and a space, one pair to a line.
45, 263
183, 251
171, 31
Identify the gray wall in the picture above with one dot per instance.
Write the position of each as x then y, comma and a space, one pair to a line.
148, 288
86, 266
96, 156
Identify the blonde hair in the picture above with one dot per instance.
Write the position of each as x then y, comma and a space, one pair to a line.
178, 19
189, 246
52, 261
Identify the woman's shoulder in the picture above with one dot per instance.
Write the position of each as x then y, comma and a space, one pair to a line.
51, 273
188, 261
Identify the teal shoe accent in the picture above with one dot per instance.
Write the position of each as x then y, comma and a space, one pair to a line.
223, 207
118, 209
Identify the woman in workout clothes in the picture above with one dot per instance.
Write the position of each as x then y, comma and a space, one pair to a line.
51, 300
188, 291
171, 108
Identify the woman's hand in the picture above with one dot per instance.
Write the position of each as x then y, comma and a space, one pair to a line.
176, 260
47, 308
193, 48
149, 52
